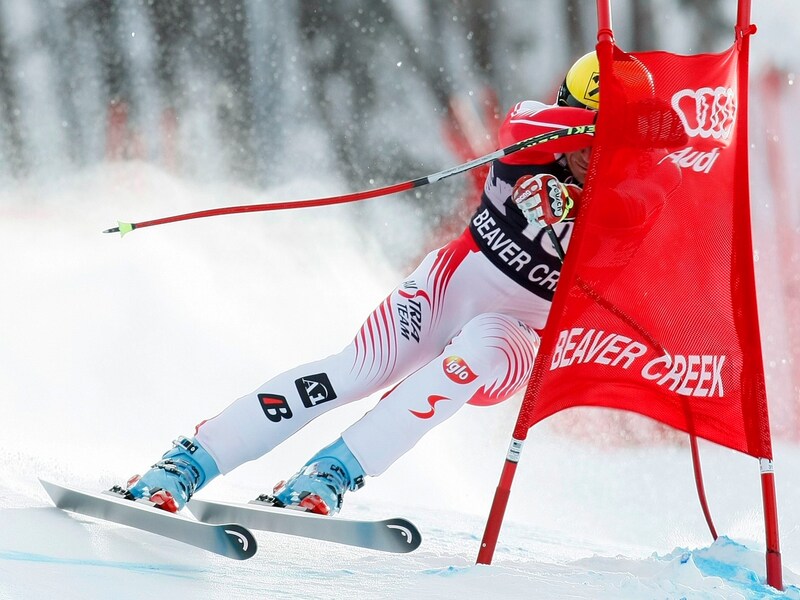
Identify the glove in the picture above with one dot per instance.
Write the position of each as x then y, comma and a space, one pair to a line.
544, 200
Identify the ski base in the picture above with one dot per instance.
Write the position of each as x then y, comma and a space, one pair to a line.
390, 535
227, 539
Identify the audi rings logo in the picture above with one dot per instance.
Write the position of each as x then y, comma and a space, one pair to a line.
706, 112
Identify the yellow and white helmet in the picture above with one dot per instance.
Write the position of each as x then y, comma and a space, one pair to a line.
581, 87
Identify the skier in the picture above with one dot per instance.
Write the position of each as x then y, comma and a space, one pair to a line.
461, 329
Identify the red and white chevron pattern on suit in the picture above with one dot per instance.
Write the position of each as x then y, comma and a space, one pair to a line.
456, 303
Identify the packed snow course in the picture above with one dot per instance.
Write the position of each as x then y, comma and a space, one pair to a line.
110, 348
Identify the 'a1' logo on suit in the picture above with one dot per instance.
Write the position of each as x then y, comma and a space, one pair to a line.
315, 389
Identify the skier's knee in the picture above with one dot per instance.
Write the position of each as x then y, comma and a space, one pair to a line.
498, 345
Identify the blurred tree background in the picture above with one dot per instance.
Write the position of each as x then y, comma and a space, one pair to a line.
217, 86
262, 91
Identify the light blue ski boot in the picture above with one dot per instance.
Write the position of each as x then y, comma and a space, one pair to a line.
172, 481
320, 485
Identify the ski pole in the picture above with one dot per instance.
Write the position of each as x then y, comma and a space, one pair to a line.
122, 228
556, 243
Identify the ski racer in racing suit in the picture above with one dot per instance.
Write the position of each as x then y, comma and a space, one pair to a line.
460, 329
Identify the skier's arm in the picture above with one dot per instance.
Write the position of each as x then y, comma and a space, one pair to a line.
529, 118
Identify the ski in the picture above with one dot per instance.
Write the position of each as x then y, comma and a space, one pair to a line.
390, 535
227, 539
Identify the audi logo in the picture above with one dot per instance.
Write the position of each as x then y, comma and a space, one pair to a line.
706, 112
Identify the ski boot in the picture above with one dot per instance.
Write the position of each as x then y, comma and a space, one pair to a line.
171, 482
320, 485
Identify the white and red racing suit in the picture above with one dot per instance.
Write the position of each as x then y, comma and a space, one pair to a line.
461, 328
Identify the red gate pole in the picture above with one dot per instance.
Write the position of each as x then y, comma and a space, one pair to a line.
701, 489
773, 554
604, 31
491, 532
501, 495
774, 569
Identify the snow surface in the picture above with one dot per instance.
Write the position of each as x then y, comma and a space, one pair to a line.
109, 348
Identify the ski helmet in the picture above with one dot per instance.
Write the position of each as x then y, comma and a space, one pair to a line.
581, 87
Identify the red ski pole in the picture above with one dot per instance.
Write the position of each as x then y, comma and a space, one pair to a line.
123, 228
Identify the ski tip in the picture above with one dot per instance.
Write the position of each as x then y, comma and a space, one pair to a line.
406, 535
121, 228
46, 484
242, 543
54, 491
